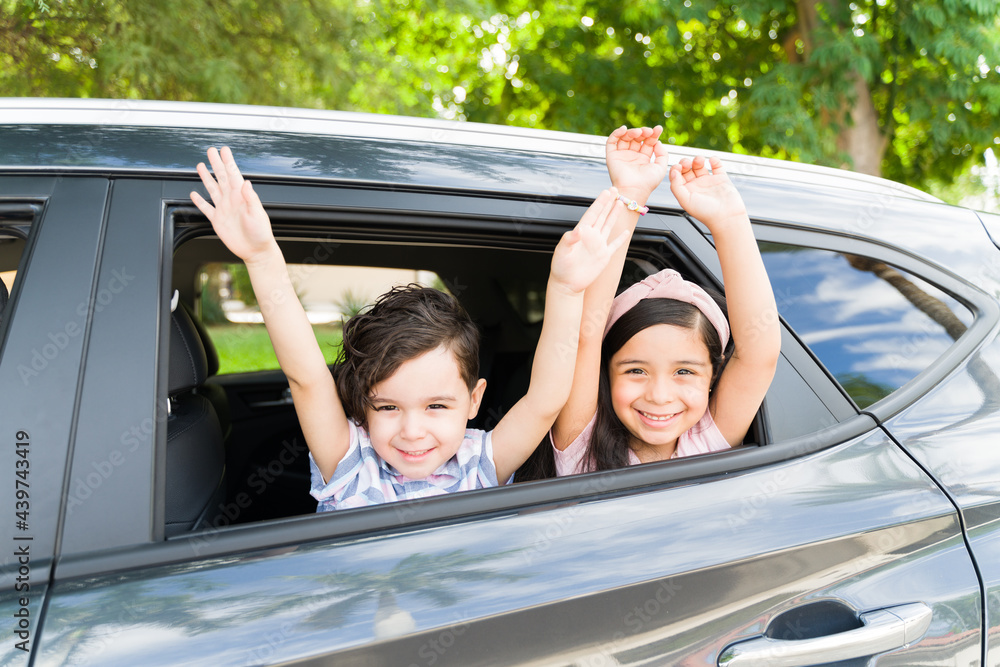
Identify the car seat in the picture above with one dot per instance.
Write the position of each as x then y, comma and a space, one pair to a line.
210, 390
195, 446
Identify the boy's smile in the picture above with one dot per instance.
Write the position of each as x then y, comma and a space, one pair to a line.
420, 413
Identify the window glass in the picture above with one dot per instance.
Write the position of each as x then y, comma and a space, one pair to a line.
874, 326
11, 248
329, 294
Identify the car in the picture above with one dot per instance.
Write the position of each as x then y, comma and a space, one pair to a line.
157, 508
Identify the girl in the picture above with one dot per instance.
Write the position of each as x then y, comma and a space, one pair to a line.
393, 424
654, 382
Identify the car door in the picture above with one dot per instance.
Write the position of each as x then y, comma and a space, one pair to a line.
951, 430
828, 540
58, 221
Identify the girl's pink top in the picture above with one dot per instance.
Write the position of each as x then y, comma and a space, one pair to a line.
702, 438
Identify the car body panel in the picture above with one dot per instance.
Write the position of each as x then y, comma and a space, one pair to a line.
40, 370
618, 577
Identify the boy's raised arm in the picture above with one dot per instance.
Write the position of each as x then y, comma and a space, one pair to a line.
243, 226
637, 163
576, 262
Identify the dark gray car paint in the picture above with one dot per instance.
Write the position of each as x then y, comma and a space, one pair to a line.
40, 371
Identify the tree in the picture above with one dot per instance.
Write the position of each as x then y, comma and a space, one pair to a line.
238, 51
906, 89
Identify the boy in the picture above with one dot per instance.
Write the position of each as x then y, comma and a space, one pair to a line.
393, 425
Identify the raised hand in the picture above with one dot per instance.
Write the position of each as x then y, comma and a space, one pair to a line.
703, 188
584, 252
237, 216
637, 161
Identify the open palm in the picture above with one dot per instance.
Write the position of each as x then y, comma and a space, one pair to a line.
237, 215
637, 161
584, 252
705, 193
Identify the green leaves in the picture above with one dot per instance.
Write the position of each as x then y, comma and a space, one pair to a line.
770, 77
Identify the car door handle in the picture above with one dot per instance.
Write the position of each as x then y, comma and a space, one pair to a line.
882, 630
285, 398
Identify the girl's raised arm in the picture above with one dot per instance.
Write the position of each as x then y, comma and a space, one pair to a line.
242, 224
705, 191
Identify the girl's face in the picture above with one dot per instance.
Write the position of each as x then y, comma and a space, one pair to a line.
420, 413
659, 384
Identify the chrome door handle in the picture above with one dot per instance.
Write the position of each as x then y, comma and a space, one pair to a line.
882, 630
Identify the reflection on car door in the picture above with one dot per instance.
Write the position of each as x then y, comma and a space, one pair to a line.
670, 575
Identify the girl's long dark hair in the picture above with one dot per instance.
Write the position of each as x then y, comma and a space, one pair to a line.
608, 448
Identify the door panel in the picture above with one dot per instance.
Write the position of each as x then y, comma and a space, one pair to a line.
666, 576
39, 375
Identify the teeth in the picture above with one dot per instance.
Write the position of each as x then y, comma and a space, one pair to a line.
419, 453
654, 417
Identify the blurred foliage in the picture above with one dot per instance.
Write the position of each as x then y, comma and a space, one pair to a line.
783, 78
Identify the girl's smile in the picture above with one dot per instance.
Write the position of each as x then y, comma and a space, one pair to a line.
659, 387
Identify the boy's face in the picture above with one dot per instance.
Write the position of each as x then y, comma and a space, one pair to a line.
419, 415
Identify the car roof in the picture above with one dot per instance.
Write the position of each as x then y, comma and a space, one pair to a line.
111, 140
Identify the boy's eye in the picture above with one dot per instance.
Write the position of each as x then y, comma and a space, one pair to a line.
437, 406
384, 408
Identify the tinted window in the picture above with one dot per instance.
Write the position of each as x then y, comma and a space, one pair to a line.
874, 326
11, 247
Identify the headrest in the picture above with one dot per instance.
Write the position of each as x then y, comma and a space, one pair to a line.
206, 340
188, 362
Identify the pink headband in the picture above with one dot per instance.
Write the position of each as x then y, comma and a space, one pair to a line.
668, 284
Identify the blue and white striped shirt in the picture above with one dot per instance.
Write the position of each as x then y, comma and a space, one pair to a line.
362, 478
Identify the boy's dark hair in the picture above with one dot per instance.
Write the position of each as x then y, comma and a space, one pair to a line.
402, 324
609, 444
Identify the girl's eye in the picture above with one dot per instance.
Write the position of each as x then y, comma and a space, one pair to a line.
635, 371
385, 408
685, 371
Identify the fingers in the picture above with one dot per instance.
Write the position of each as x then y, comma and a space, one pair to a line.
699, 165
203, 205
218, 168
689, 169
250, 196
210, 185
599, 211
636, 139
232, 171
227, 174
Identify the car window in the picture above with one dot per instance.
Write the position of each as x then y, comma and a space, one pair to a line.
874, 326
330, 294
11, 250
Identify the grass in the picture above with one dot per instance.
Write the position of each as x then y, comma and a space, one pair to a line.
247, 347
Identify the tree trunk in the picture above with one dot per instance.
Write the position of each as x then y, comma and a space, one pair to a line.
861, 137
